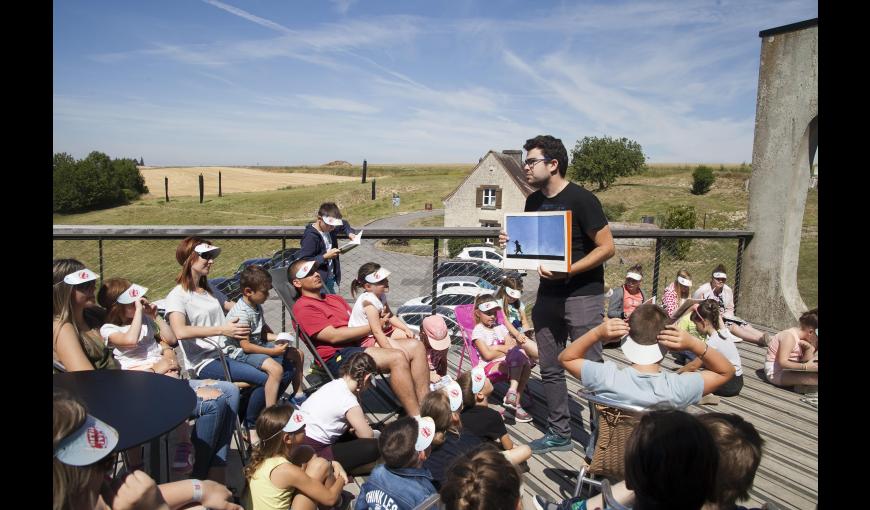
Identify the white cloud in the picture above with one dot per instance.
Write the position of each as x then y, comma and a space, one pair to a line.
337, 104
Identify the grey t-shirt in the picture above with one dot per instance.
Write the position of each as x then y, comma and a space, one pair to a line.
631, 387
249, 315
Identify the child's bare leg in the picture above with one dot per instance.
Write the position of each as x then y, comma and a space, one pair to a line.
525, 372
790, 378
292, 354
274, 370
747, 333
319, 469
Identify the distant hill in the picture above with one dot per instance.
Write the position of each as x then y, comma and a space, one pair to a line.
338, 163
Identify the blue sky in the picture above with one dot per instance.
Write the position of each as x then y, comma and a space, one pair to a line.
537, 235
213, 82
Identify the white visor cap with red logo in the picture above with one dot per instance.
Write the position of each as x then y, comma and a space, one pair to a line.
305, 268
133, 293
514, 293
478, 378
378, 275
454, 393
80, 276
205, 248
329, 220
296, 421
487, 306
89, 443
425, 433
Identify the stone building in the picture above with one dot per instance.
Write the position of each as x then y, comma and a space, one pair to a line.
497, 185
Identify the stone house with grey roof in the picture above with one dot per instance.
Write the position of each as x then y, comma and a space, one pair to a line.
496, 185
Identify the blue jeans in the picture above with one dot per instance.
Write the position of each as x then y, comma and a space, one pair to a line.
242, 372
213, 428
329, 285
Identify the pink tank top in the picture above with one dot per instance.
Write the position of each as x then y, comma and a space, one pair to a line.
773, 347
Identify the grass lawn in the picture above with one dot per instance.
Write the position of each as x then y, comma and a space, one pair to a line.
650, 194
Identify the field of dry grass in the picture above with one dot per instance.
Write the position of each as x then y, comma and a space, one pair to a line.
184, 181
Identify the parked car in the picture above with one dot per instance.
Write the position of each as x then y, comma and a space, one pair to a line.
448, 282
483, 269
486, 253
229, 285
451, 298
413, 316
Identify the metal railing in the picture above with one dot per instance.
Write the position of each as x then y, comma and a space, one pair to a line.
145, 254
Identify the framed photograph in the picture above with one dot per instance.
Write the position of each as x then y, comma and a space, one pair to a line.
538, 239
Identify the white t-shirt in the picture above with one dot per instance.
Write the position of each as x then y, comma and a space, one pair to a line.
326, 408
722, 342
145, 353
491, 336
358, 314
202, 310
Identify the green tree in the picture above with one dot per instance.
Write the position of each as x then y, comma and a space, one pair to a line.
602, 160
679, 216
129, 176
702, 179
141, 161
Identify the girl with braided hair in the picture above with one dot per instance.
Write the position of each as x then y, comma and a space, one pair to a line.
482, 480
333, 409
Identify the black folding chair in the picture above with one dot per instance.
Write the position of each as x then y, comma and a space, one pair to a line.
282, 287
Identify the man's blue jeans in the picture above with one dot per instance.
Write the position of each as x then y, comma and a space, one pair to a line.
215, 419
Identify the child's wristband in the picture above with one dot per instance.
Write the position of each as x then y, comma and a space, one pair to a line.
197, 490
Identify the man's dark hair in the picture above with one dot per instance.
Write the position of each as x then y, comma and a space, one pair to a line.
552, 148
670, 462
397, 443
645, 323
254, 277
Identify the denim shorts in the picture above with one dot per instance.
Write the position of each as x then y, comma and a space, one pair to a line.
341, 355
256, 360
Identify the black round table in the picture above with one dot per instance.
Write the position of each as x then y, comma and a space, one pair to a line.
141, 406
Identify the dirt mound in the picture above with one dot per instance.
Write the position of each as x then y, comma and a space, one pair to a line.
338, 163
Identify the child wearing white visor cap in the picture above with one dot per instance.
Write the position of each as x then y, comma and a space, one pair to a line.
371, 307
517, 323
629, 296
501, 353
277, 474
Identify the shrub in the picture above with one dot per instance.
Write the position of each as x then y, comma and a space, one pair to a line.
680, 216
702, 179
613, 211
95, 182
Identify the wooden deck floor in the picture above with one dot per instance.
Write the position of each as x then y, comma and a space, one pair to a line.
788, 474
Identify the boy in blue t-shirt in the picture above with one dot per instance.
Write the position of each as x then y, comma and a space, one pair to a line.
263, 350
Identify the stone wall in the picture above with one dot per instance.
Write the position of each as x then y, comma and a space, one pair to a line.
460, 210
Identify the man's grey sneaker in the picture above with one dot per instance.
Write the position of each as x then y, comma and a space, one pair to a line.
551, 442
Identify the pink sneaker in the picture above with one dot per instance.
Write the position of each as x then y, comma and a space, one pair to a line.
510, 400
521, 415
183, 461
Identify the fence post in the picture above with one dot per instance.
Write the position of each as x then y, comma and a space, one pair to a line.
434, 269
283, 306
373, 189
365, 168
220, 191
740, 246
100, 246
166, 187
656, 263
200, 188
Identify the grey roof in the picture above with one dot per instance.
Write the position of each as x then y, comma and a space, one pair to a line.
510, 165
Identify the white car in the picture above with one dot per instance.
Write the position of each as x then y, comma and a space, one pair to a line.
486, 253
450, 298
453, 282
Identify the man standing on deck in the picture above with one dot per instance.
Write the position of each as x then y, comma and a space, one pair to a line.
568, 304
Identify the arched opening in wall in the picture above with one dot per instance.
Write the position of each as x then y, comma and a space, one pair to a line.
808, 258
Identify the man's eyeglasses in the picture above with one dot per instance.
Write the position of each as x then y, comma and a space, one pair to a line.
531, 162
209, 255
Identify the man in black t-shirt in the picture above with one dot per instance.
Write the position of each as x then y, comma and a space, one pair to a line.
568, 304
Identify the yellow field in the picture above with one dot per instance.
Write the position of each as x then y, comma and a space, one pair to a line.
184, 181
